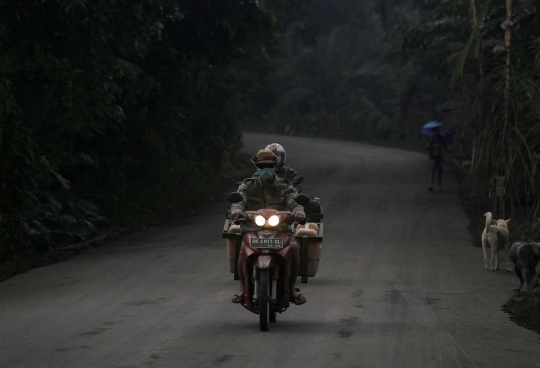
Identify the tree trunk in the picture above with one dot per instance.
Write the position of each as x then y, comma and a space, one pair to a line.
506, 161
507, 44
474, 12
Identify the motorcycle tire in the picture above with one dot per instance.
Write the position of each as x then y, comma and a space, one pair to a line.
263, 298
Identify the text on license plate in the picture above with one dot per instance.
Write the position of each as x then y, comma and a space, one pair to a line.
267, 243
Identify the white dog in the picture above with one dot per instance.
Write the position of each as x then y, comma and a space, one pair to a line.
495, 236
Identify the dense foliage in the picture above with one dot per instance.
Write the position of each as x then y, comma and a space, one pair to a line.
116, 111
490, 53
383, 68
357, 81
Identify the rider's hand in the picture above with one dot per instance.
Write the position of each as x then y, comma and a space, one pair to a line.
235, 216
299, 217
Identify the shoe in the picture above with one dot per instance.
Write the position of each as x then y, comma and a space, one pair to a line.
430, 189
238, 299
298, 300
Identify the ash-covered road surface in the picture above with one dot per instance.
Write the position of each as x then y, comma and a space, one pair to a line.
399, 285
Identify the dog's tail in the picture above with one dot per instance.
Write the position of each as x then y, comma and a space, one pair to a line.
488, 216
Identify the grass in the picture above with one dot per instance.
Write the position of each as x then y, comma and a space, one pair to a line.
524, 310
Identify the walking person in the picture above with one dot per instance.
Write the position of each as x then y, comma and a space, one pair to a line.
436, 147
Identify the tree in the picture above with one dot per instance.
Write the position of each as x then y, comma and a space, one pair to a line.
120, 111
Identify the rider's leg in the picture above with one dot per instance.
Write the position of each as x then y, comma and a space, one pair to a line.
295, 266
241, 273
295, 270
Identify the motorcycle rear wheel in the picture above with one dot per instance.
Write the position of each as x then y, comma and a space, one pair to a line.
263, 299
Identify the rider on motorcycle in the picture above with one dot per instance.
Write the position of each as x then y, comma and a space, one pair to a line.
282, 171
290, 174
277, 193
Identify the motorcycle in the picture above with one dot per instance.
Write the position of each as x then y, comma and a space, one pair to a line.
310, 248
265, 258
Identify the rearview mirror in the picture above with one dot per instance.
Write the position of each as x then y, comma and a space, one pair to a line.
302, 199
235, 197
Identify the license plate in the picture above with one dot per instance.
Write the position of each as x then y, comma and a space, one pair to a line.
267, 243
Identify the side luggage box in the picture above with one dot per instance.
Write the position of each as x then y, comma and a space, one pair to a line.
309, 238
232, 233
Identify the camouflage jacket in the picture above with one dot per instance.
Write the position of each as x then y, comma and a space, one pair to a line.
279, 195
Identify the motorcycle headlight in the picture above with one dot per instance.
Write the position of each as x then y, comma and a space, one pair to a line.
273, 220
260, 221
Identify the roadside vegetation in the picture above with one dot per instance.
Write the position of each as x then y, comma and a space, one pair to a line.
383, 68
119, 114
524, 310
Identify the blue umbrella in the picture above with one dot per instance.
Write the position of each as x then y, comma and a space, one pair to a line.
431, 125
428, 133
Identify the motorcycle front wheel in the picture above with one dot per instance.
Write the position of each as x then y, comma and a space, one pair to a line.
263, 298
273, 311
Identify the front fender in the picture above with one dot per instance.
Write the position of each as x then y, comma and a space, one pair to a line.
264, 261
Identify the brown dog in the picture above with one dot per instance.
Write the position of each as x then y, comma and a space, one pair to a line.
536, 283
525, 257
495, 236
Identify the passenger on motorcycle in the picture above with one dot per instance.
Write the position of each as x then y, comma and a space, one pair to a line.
290, 174
278, 194
282, 171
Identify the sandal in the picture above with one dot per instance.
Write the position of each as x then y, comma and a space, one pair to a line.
299, 299
238, 299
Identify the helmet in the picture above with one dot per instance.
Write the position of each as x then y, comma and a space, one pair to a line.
279, 151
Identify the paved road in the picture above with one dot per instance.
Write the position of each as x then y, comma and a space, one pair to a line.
399, 285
